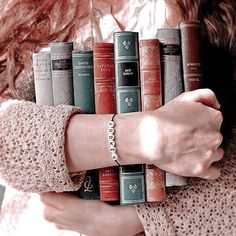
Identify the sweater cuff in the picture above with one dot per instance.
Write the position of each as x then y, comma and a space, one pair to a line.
32, 143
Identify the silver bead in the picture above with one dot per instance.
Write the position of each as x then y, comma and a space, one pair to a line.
110, 130
111, 124
114, 157
112, 149
111, 143
111, 137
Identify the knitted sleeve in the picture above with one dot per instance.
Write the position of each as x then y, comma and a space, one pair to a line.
201, 208
32, 142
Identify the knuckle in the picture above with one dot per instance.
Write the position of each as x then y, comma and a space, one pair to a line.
219, 116
218, 138
221, 153
209, 154
209, 92
199, 170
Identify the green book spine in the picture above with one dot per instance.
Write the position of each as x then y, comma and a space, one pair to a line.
83, 86
90, 187
83, 80
128, 99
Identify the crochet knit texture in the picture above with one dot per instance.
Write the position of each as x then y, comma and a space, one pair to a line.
32, 147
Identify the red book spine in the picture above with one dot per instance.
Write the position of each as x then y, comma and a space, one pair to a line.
104, 87
151, 96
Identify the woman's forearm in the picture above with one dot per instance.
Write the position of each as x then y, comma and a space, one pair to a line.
87, 141
169, 137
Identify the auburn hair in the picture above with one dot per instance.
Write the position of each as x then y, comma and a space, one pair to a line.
27, 25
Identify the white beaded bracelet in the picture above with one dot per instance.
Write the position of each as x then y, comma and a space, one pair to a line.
111, 140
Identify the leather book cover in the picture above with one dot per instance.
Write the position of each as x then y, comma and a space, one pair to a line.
104, 86
151, 96
128, 99
43, 78
61, 64
191, 54
83, 80
172, 77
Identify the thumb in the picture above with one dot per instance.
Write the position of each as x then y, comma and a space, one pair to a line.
204, 96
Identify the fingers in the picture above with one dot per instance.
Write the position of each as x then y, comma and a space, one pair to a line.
204, 96
212, 173
57, 200
219, 154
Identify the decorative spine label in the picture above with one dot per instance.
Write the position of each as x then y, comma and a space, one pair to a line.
191, 54
83, 80
90, 187
104, 84
43, 78
61, 61
127, 79
151, 94
171, 62
172, 79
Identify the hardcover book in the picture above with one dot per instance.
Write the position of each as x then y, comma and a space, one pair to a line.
172, 79
151, 94
43, 78
83, 87
104, 84
191, 54
61, 64
83, 80
127, 79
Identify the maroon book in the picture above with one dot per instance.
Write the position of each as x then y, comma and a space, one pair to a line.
191, 54
104, 87
151, 96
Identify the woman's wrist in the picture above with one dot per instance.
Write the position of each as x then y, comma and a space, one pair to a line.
87, 146
137, 137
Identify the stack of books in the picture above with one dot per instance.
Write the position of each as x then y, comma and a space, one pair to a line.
129, 75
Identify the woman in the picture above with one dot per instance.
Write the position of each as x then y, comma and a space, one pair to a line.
37, 25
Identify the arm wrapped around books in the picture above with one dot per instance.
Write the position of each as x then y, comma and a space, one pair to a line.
32, 140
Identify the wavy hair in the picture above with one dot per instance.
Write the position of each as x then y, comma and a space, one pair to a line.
27, 25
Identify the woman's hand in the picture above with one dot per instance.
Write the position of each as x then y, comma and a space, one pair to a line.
183, 137
90, 217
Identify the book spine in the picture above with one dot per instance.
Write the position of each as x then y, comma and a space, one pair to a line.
128, 99
83, 80
61, 63
43, 78
90, 187
151, 95
191, 54
172, 79
83, 87
104, 85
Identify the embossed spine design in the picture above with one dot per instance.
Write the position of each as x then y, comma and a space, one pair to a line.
43, 78
104, 85
128, 99
61, 63
191, 54
83, 80
151, 96
171, 64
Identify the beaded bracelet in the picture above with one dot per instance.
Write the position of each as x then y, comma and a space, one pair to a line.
111, 140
